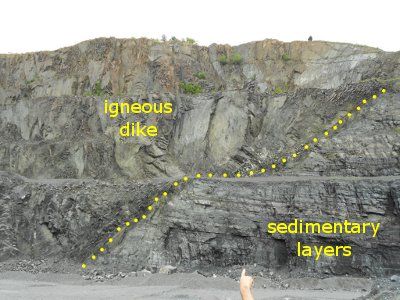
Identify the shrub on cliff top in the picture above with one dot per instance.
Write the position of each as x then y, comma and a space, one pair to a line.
285, 57
236, 59
223, 60
190, 41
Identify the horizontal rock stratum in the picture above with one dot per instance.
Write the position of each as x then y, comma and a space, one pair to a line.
80, 178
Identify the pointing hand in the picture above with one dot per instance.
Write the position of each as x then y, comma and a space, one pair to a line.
246, 286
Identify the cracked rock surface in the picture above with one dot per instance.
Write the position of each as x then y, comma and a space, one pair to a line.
67, 179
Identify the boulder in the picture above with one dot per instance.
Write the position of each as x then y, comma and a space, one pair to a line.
167, 269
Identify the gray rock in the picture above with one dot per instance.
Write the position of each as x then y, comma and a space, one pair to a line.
207, 131
395, 278
235, 206
168, 269
81, 173
143, 273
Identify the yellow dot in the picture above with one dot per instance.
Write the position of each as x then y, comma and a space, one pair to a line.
135, 220
93, 257
127, 223
349, 114
198, 175
364, 101
306, 147
144, 217
334, 127
263, 170
176, 183
315, 140
156, 199
84, 266
110, 240
225, 175
102, 249
210, 175
251, 173
150, 208
118, 229
294, 155
283, 160
383, 91
326, 133
185, 178
273, 166
374, 97
358, 108
340, 121
165, 194
238, 175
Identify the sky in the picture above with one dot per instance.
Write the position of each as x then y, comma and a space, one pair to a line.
27, 26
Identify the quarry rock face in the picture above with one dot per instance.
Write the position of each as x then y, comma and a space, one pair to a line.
220, 222
279, 96
68, 179
224, 223
63, 216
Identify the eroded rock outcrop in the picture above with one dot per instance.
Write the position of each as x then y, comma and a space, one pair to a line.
247, 112
206, 223
248, 115
223, 223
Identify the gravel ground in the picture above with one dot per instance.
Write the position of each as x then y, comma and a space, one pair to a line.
144, 285
61, 279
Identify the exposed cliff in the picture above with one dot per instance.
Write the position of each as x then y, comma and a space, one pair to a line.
277, 97
249, 113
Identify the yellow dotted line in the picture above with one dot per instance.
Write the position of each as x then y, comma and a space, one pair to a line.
136, 219
283, 160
